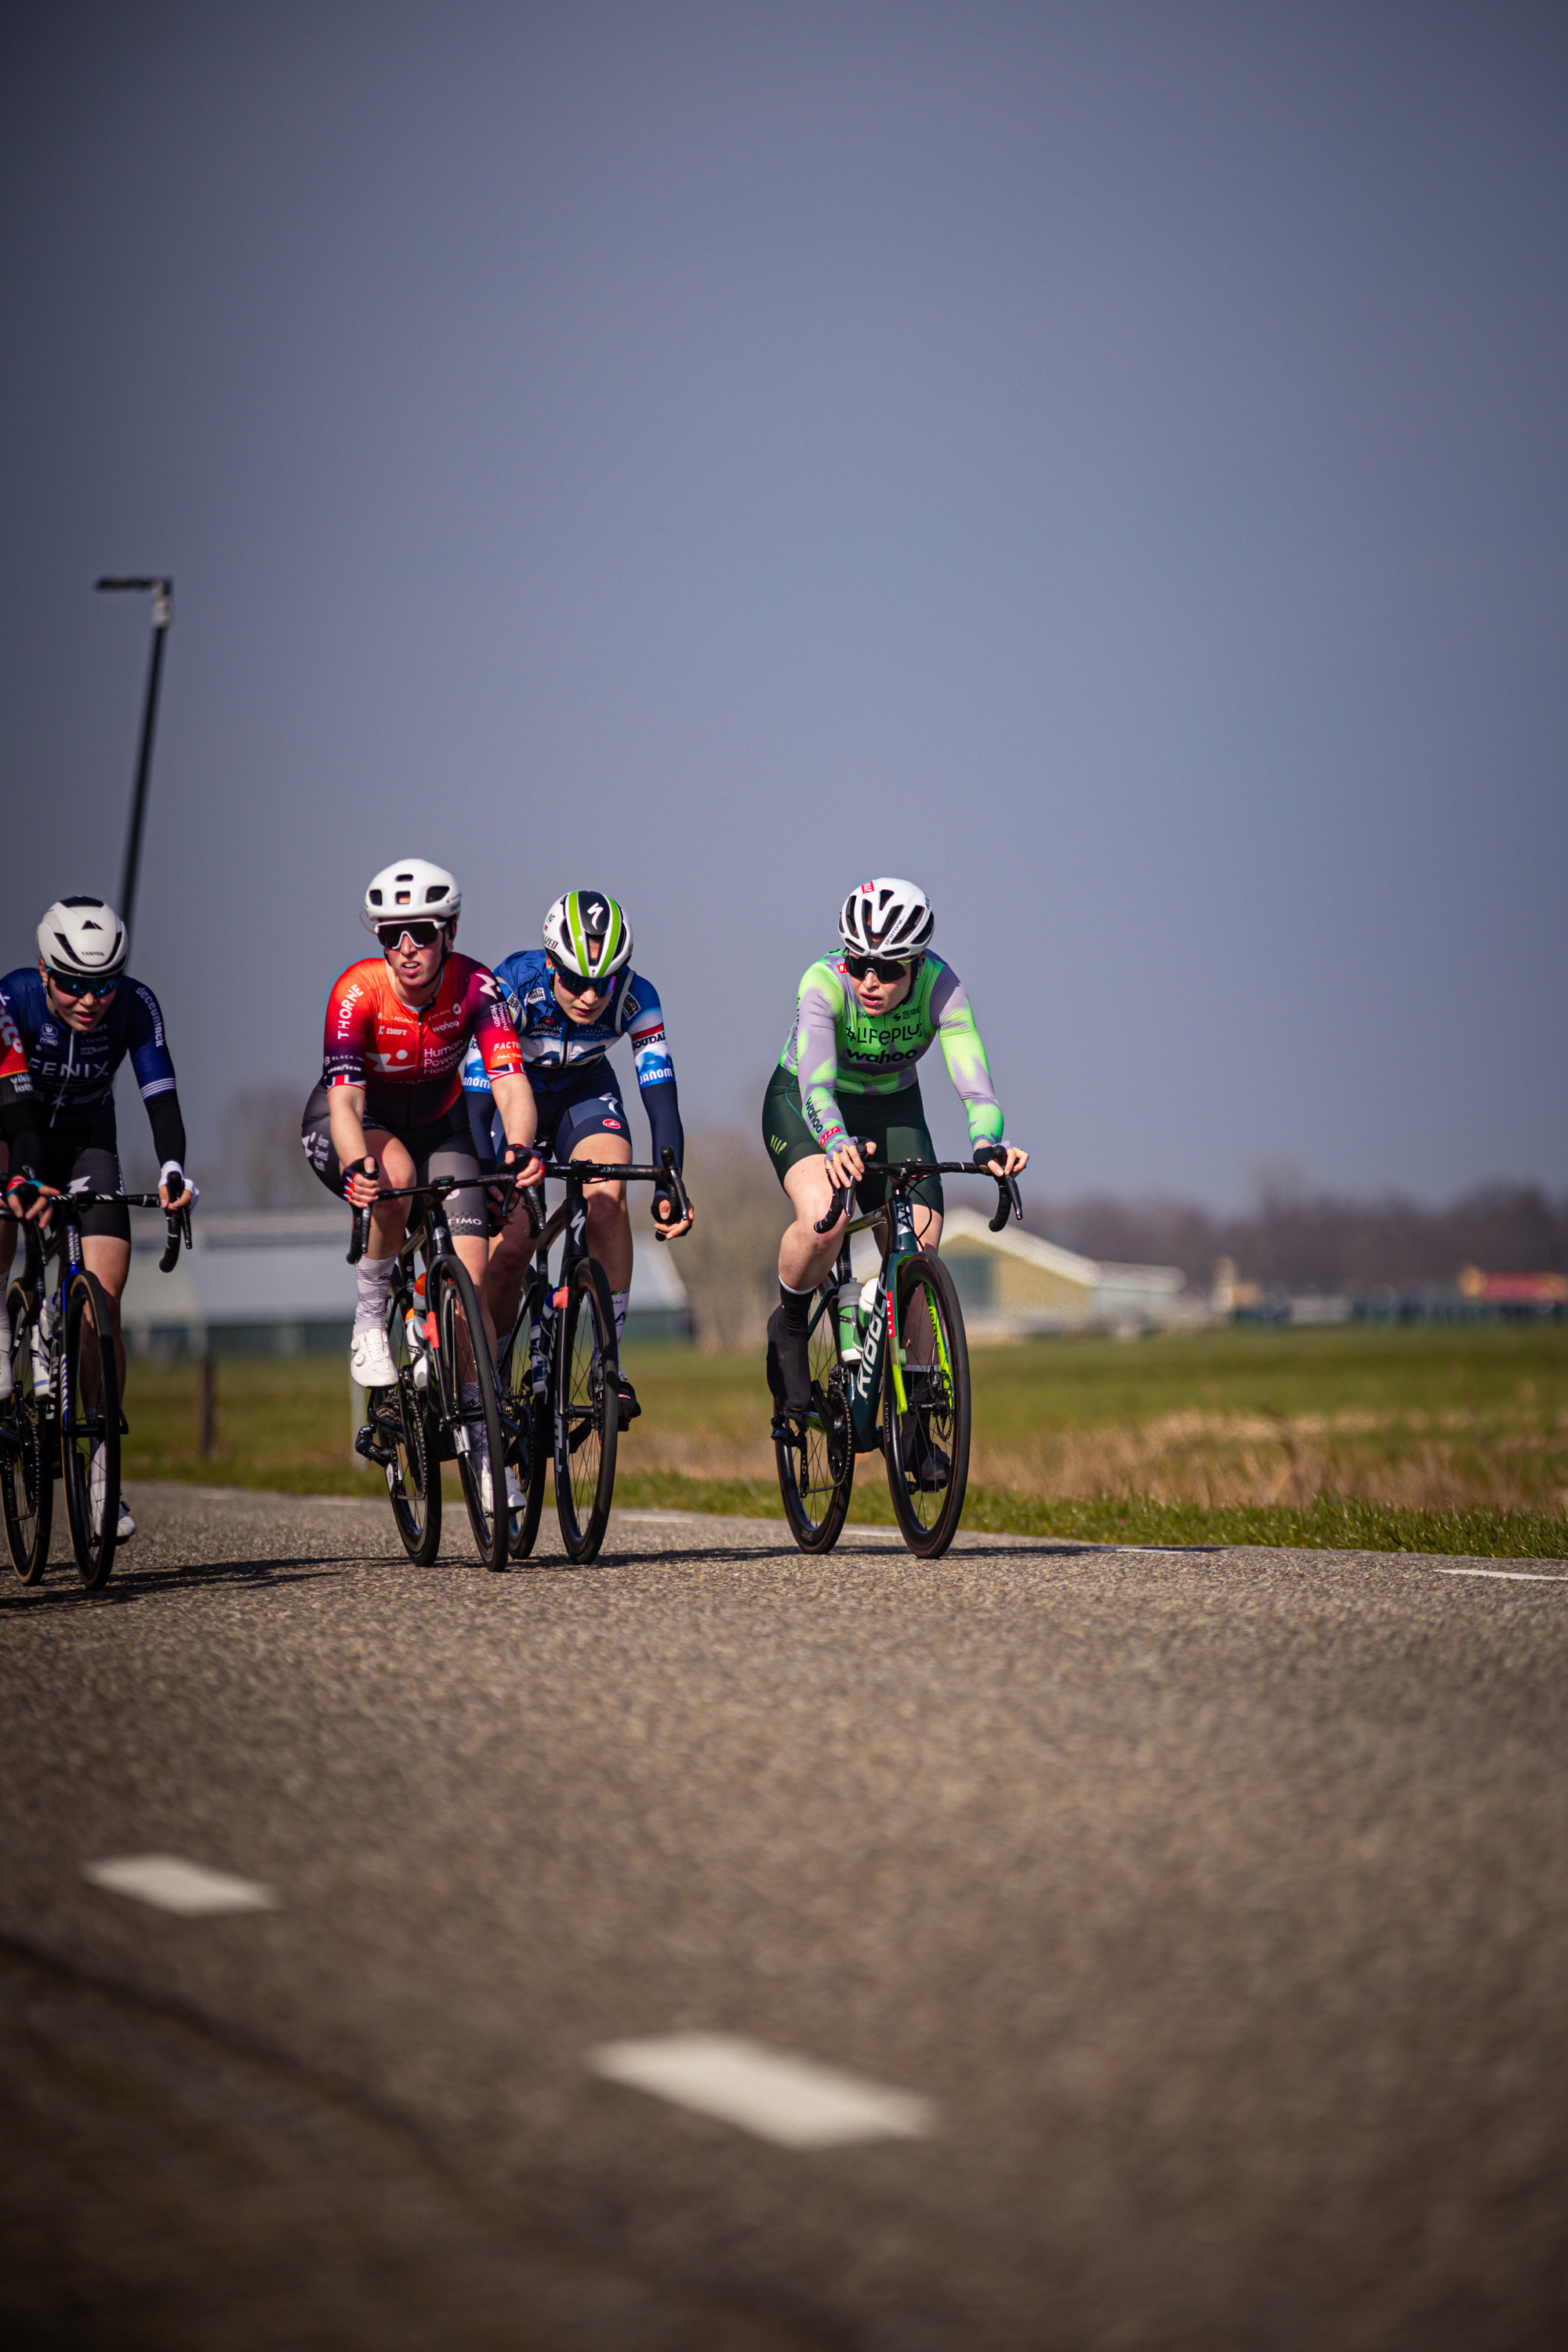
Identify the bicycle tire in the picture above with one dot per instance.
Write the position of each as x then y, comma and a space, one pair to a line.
407, 1417
818, 1475
28, 1462
529, 1451
463, 1363
937, 1415
587, 1412
90, 1430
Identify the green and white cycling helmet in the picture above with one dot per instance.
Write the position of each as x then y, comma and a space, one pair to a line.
888, 918
588, 936
83, 939
412, 891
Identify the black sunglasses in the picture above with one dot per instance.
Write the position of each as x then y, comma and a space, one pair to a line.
424, 935
573, 982
885, 967
69, 985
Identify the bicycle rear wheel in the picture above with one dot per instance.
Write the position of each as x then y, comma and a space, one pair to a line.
816, 1468
525, 1434
927, 1443
467, 1387
27, 1452
587, 1412
89, 1432
404, 1418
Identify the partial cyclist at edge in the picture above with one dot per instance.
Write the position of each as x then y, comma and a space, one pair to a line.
863, 1020
387, 1111
569, 1002
65, 1026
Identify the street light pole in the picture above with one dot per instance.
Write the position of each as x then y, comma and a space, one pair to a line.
163, 594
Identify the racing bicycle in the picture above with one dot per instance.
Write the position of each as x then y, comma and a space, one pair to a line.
63, 1420
889, 1372
441, 1406
559, 1364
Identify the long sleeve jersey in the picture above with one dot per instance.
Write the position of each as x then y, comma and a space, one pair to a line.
54, 1078
556, 1050
835, 1047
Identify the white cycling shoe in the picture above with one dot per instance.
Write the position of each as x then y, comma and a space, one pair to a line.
370, 1358
125, 1526
97, 1482
515, 1499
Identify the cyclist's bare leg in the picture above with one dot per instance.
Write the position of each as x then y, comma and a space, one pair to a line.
804, 1254
108, 1258
473, 1251
388, 1219
609, 1226
500, 1294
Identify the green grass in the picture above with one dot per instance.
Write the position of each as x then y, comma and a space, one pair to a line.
285, 1425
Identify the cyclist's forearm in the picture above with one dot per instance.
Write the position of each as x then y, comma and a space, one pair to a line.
345, 1123
964, 1054
663, 1108
168, 1128
519, 1116
22, 1137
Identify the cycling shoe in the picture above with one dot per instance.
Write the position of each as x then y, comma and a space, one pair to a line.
789, 1366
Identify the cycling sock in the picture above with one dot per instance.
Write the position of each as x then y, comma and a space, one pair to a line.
797, 1305
620, 1300
373, 1278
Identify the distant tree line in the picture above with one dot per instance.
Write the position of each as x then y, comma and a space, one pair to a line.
1297, 1239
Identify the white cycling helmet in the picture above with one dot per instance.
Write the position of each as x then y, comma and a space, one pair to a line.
415, 890
84, 939
579, 920
888, 918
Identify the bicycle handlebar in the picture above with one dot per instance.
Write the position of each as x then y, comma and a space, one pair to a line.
179, 1219
1010, 1202
573, 1171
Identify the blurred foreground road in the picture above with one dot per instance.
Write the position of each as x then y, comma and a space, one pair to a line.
1216, 1904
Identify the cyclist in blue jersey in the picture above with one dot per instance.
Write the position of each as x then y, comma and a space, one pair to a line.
569, 1002
65, 1027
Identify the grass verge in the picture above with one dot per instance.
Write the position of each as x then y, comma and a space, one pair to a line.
1327, 1526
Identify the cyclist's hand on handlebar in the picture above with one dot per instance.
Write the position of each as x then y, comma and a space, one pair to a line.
526, 1157
361, 1185
28, 1201
845, 1165
1001, 1159
666, 1226
175, 1190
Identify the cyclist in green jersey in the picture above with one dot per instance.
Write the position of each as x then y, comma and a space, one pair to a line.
864, 1019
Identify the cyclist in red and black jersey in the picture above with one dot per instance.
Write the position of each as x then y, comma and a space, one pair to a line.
388, 1110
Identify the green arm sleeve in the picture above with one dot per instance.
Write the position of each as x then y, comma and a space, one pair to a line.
965, 1058
817, 1016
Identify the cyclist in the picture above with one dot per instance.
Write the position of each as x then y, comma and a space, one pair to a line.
864, 1018
65, 1027
388, 1107
569, 1002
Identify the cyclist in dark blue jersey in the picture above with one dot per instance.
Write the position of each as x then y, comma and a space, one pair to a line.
65, 1026
569, 1002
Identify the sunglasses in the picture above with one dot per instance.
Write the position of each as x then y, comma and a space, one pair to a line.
884, 967
574, 984
69, 985
424, 935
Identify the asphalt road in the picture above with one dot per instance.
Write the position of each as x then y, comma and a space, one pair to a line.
1216, 1904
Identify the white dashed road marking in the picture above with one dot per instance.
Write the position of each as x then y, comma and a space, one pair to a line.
171, 1885
1507, 1575
794, 2101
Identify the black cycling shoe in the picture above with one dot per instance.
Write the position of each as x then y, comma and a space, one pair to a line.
926, 1464
789, 1369
629, 1405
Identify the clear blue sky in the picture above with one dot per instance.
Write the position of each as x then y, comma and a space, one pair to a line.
1108, 462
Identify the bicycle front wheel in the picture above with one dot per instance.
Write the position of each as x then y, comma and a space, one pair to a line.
468, 1415
525, 1434
27, 1452
816, 1465
89, 1432
926, 1429
587, 1412
404, 1418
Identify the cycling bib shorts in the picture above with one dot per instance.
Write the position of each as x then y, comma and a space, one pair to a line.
896, 1123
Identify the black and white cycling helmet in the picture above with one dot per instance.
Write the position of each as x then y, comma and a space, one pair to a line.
84, 939
888, 918
413, 889
587, 934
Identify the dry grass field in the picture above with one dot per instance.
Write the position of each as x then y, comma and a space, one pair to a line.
1205, 1431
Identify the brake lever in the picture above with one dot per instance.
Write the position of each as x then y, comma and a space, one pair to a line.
678, 1198
360, 1237
1010, 1202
